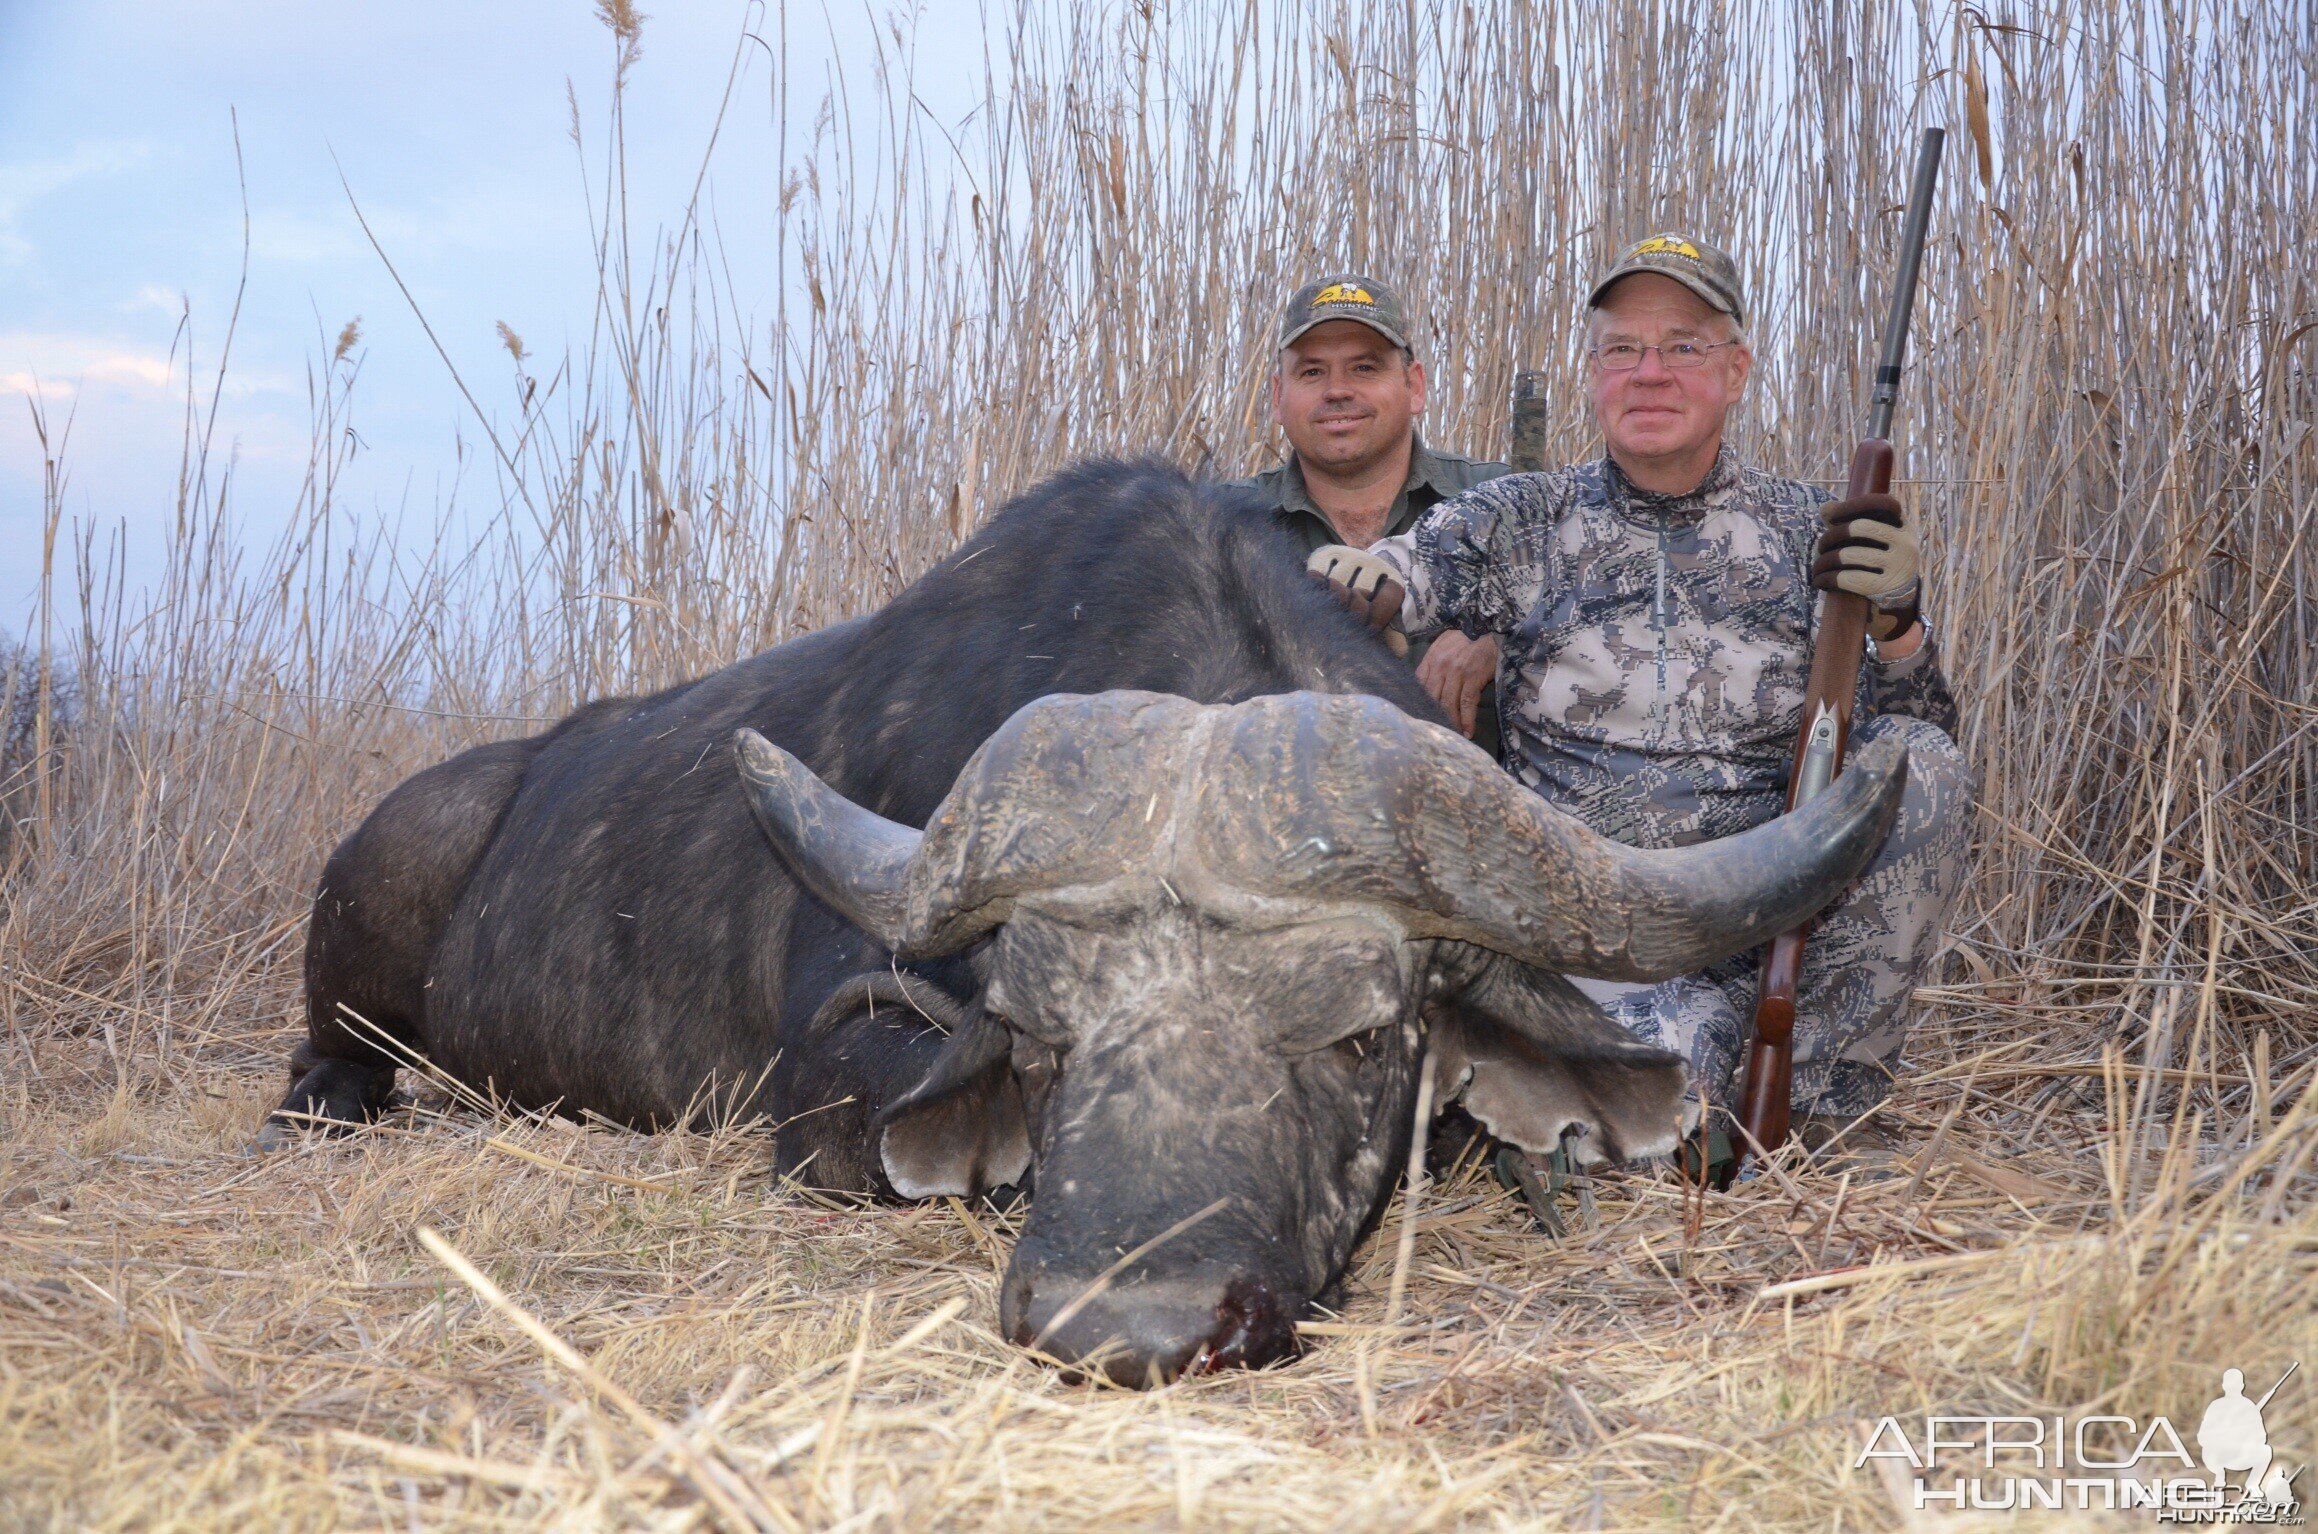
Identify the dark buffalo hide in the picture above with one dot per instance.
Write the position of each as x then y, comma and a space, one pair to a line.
1180, 967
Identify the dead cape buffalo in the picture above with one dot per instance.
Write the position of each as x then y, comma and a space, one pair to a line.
1203, 878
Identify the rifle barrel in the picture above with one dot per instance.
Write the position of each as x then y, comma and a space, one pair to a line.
1903, 288
1767, 1100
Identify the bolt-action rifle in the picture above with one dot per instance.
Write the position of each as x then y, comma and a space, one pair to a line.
1768, 1100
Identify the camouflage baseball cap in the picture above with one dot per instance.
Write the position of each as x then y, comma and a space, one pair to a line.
1705, 269
1345, 296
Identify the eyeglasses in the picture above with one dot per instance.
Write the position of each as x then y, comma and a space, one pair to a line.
1625, 356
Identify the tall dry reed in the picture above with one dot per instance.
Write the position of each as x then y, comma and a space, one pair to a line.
2107, 425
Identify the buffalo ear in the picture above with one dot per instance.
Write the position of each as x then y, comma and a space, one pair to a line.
1533, 1058
961, 1131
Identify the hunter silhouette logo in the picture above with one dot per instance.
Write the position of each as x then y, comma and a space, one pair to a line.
2231, 1436
1342, 293
1666, 245
2100, 1461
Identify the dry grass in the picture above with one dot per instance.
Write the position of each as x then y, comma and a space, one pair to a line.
2111, 1137
194, 1336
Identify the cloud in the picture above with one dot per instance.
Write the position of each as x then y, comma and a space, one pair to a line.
152, 295
433, 225
25, 182
296, 235
62, 364
150, 373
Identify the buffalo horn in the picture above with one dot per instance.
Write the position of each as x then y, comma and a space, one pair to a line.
857, 862
1503, 870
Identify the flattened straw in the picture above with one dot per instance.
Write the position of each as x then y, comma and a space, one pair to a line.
570, 1169
1922, 1267
738, 1504
493, 1472
834, 1424
1410, 1201
701, 1421
1414, 1199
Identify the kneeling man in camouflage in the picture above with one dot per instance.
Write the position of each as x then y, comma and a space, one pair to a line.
1648, 618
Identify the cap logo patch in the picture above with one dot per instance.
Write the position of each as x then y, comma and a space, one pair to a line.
1665, 245
1342, 293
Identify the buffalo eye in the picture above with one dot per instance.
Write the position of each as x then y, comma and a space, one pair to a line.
1033, 1053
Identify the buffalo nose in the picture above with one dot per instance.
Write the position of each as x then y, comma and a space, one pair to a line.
1148, 1330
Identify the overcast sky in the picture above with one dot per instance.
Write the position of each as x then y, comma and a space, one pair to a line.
119, 206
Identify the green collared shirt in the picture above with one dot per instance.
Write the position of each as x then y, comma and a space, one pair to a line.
1433, 478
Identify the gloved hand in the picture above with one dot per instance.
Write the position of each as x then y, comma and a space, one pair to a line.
1870, 551
1366, 585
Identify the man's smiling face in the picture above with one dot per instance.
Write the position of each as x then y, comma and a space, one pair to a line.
1654, 414
1346, 396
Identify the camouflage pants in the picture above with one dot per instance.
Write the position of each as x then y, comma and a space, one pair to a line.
1860, 968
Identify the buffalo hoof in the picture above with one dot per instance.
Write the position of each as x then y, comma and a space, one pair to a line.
337, 1097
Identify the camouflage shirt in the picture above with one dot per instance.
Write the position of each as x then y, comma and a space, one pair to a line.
1655, 647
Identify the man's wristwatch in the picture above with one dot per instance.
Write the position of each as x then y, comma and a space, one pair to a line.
1875, 650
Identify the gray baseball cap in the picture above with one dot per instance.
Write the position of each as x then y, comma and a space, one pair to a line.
1345, 296
1705, 269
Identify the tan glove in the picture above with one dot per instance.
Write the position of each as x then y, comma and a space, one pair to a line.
1870, 551
1366, 585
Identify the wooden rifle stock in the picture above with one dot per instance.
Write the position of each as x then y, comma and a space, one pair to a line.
1766, 1103
1828, 700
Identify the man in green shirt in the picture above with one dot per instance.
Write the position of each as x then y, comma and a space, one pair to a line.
1347, 391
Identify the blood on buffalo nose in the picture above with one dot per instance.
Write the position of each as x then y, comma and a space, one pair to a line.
1149, 1329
